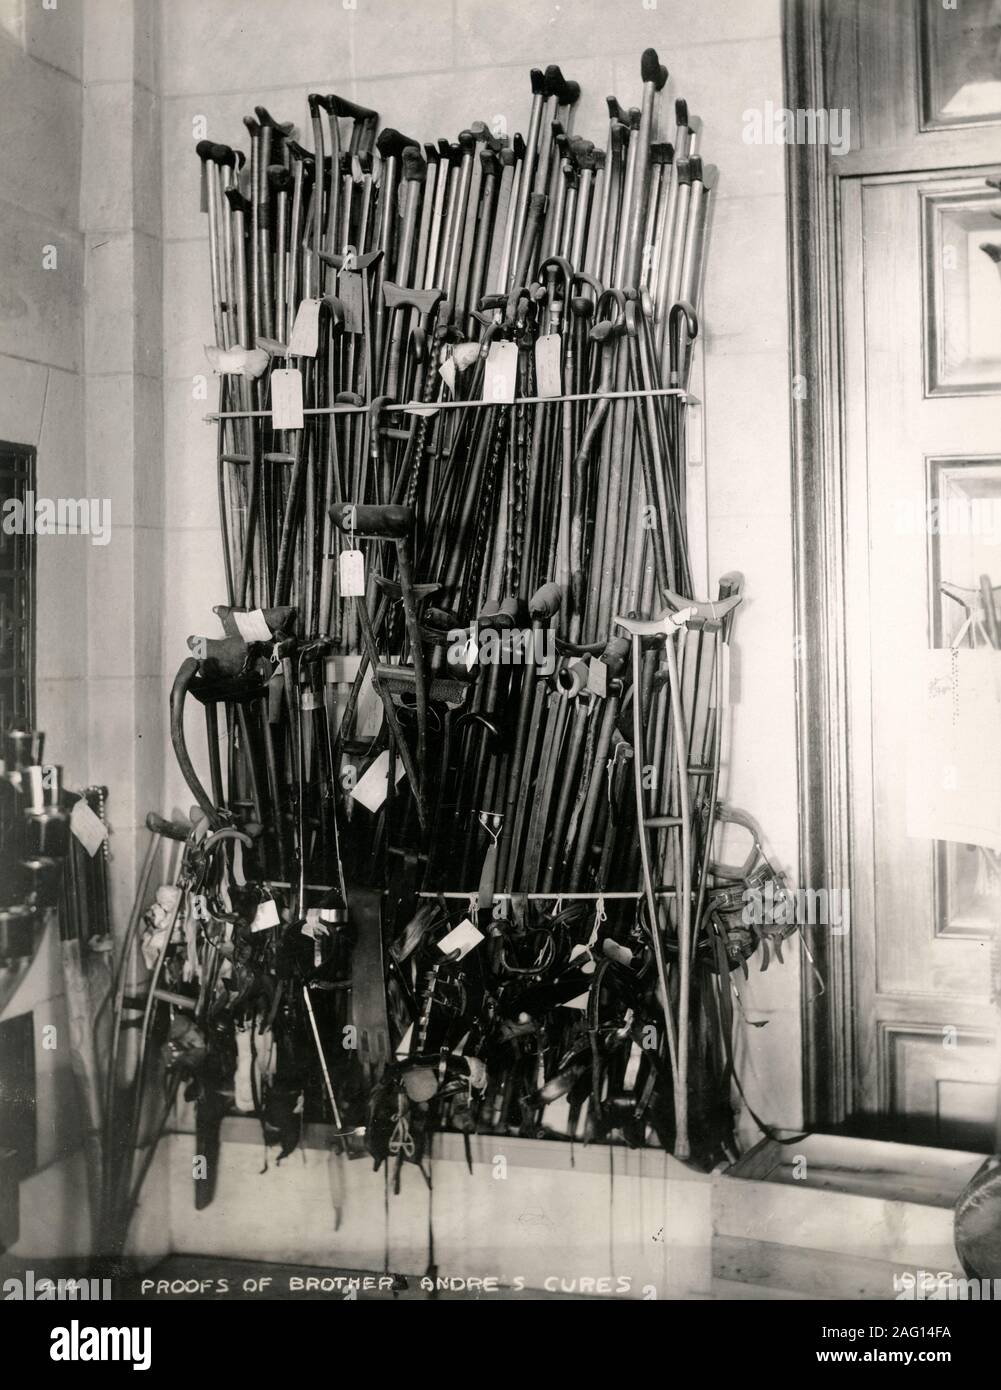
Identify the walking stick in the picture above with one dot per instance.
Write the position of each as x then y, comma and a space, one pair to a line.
667, 626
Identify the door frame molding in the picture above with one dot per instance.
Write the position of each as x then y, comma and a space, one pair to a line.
819, 544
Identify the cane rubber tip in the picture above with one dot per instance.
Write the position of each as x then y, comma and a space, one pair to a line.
518, 145
684, 168
538, 80
431, 154
467, 141
681, 111
652, 69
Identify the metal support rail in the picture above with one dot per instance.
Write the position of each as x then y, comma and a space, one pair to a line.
420, 408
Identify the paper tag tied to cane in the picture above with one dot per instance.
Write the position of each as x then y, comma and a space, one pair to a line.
286, 399
88, 828
463, 938
351, 573
351, 293
373, 785
447, 373
266, 915
597, 677
252, 626
500, 375
548, 365
305, 337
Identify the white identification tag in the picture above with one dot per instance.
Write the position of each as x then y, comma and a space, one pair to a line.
373, 785
463, 938
286, 399
597, 677
352, 297
305, 338
579, 1003
587, 967
500, 377
252, 626
351, 570
548, 367
266, 915
447, 373
89, 829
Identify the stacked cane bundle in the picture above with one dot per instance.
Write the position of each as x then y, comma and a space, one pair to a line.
462, 660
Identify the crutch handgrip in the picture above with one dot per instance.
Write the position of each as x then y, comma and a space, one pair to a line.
390, 522
169, 829
546, 602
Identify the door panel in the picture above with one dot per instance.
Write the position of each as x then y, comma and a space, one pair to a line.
923, 432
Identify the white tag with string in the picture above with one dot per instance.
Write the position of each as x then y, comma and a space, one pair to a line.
89, 829
352, 297
373, 785
305, 336
266, 915
447, 373
579, 1003
463, 938
351, 572
500, 376
252, 626
548, 367
286, 399
597, 677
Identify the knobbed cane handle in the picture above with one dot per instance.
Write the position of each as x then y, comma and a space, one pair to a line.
390, 522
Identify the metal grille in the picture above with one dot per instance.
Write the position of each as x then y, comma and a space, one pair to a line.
17, 590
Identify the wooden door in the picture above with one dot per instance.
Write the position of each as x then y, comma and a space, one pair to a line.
921, 352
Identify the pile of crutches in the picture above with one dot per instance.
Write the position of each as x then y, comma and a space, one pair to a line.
465, 706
